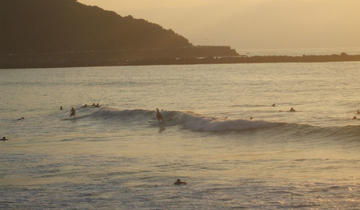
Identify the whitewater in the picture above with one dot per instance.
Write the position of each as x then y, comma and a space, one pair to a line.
227, 132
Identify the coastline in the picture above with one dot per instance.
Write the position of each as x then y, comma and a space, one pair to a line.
60, 60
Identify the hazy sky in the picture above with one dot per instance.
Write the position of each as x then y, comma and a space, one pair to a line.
251, 24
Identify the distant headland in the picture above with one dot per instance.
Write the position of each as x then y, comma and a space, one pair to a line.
66, 33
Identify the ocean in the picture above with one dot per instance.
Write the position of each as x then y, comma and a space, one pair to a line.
221, 135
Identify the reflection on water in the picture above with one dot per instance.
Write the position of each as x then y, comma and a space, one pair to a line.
119, 156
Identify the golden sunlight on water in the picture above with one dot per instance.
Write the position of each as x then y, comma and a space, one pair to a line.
120, 153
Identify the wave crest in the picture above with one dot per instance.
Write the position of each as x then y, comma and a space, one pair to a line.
187, 120
200, 123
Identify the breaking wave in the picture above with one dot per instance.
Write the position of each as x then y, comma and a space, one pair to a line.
200, 123
187, 120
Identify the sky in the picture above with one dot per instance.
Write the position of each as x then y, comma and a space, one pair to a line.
251, 24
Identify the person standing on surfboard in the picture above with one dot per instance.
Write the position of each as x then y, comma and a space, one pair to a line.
72, 112
159, 116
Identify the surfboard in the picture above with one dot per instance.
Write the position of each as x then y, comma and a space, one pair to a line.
156, 123
70, 118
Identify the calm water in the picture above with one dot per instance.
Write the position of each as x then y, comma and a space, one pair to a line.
118, 156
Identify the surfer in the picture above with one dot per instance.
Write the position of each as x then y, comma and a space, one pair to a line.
251, 118
159, 116
72, 112
179, 182
292, 110
85, 105
358, 112
61, 108
21, 118
273, 105
4, 139
161, 129
354, 118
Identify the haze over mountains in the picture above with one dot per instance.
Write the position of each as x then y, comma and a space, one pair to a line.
252, 24
66, 33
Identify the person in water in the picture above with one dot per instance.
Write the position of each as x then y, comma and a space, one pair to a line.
159, 116
72, 112
21, 118
292, 110
273, 105
4, 139
358, 112
179, 182
61, 108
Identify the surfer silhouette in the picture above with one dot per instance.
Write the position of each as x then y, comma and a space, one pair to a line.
161, 129
292, 110
159, 116
4, 139
72, 112
179, 182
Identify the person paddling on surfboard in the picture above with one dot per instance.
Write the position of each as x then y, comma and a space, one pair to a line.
179, 182
159, 116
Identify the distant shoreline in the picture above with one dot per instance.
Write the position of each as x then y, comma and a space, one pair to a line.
51, 60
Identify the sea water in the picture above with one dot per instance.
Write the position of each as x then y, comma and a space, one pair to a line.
221, 135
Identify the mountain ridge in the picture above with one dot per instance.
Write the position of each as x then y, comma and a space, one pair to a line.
67, 25
67, 33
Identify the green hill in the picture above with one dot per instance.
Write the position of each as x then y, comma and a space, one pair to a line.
64, 33
66, 25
